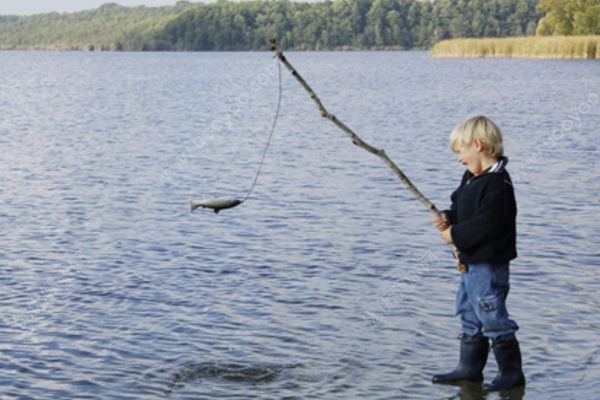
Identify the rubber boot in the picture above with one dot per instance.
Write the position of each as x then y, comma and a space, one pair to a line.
473, 355
510, 372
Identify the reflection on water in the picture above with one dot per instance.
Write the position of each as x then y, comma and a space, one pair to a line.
112, 289
234, 372
474, 391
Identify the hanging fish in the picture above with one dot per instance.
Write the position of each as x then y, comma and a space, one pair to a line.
216, 204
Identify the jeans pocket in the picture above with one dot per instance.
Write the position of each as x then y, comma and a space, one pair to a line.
494, 316
490, 303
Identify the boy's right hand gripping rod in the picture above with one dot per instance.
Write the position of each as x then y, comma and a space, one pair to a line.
364, 145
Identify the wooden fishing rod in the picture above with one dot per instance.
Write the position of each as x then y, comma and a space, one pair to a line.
356, 140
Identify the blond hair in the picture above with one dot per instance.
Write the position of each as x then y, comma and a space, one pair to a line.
478, 128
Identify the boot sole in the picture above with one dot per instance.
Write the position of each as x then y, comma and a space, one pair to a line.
490, 388
452, 381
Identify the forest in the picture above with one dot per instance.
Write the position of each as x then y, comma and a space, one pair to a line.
347, 24
327, 25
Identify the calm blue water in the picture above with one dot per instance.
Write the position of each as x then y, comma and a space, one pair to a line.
330, 282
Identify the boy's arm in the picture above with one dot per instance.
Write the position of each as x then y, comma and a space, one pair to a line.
494, 209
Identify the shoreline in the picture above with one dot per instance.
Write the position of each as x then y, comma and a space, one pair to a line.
112, 50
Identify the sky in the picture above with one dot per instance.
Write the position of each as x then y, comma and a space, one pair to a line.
27, 7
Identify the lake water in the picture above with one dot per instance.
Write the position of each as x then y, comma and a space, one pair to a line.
330, 282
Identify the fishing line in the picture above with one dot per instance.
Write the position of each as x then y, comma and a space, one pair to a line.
218, 204
262, 159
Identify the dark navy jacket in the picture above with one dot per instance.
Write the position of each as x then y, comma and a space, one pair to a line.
483, 216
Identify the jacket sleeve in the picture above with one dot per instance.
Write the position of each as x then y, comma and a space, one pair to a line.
494, 209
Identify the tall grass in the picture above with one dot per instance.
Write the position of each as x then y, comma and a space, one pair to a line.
530, 47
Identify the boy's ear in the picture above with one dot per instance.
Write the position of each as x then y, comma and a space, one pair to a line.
478, 145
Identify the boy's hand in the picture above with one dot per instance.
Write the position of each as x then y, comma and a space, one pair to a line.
446, 235
441, 222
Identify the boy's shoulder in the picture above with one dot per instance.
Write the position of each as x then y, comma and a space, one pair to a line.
497, 177
499, 174
500, 180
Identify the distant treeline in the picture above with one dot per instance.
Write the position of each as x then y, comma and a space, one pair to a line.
248, 25
109, 27
346, 24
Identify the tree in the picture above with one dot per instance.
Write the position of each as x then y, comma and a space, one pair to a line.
459, 24
442, 17
567, 17
376, 23
557, 20
393, 31
587, 20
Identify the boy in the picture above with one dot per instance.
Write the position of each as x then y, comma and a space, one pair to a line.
481, 223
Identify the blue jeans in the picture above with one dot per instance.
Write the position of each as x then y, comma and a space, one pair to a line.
481, 301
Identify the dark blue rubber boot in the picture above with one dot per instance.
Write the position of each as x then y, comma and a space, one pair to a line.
473, 356
510, 372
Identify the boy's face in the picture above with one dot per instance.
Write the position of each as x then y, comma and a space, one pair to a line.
473, 157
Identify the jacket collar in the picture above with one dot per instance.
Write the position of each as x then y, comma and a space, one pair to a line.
498, 167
